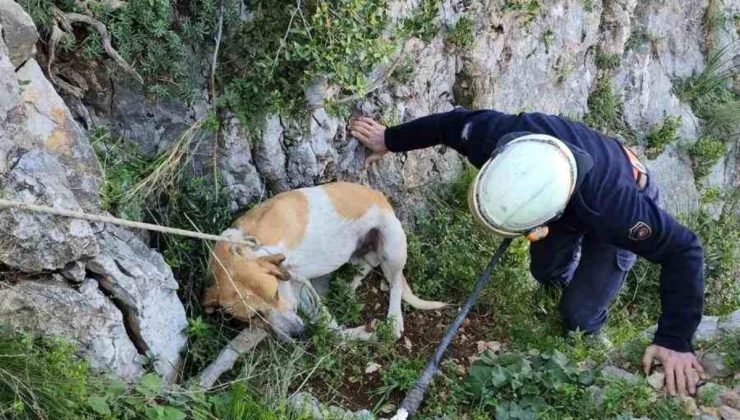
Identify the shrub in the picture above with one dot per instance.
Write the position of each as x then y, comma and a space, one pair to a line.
423, 24
660, 137
605, 111
461, 34
704, 154
285, 48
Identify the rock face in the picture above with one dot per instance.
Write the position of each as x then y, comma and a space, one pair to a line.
84, 315
34, 242
141, 284
98, 286
18, 31
543, 62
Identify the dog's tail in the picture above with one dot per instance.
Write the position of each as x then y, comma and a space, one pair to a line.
415, 301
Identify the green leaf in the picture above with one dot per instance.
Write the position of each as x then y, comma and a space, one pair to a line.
99, 405
150, 385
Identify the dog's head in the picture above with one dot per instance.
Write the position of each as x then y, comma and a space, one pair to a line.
247, 284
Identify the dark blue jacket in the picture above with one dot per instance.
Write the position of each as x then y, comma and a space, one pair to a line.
607, 203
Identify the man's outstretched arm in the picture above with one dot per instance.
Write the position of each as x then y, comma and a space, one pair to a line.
443, 128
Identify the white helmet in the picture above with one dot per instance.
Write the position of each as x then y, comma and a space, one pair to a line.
525, 184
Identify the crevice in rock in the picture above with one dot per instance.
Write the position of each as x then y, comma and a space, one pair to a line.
129, 312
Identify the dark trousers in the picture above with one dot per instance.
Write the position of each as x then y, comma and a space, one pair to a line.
590, 271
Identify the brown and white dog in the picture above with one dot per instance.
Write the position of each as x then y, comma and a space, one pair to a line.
304, 234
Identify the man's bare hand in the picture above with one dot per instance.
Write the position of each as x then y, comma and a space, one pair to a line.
372, 135
682, 370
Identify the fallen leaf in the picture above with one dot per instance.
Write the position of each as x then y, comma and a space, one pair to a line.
407, 343
494, 346
387, 408
372, 367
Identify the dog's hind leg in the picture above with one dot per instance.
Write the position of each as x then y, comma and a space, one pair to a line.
392, 253
364, 265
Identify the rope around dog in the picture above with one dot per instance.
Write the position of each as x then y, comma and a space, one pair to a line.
9, 204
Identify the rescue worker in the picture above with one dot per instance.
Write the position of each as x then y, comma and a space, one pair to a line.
594, 200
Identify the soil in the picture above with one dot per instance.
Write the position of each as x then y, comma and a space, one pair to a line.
422, 332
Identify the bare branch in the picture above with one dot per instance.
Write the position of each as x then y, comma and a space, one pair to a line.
66, 18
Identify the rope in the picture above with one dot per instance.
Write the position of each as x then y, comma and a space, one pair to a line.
122, 222
413, 399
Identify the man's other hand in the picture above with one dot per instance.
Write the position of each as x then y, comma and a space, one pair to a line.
371, 134
682, 370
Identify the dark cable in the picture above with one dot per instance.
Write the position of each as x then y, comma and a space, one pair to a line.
416, 395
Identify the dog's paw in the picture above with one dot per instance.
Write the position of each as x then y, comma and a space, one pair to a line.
397, 329
360, 333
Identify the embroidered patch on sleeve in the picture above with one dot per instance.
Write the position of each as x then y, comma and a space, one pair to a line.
640, 231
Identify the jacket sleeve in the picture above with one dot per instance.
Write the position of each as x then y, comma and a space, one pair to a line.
444, 128
639, 225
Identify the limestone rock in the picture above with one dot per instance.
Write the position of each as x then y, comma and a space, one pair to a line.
613, 372
10, 97
678, 46
656, 380
672, 171
84, 316
731, 398
730, 324
617, 25
688, 405
544, 66
715, 365
237, 168
142, 284
729, 413
18, 31
269, 155
151, 125
49, 125
707, 330
35, 242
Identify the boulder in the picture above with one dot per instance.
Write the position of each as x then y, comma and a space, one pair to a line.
84, 316
730, 324
49, 125
34, 242
141, 284
613, 372
708, 329
18, 31
715, 364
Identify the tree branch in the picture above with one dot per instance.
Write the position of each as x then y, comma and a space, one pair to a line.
65, 18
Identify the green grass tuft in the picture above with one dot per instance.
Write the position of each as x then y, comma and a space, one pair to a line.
710, 96
606, 61
605, 111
